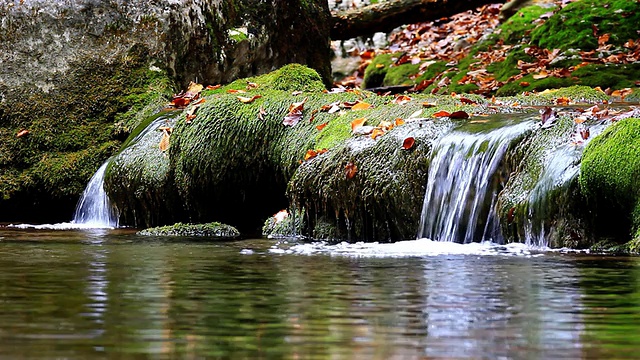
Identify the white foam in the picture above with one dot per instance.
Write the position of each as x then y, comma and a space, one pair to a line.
420, 248
63, 226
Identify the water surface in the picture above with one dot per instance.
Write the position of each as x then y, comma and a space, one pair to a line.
81, 294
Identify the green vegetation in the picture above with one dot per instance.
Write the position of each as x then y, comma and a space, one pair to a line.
209, 230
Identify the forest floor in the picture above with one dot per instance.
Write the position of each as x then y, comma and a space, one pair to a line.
452, 40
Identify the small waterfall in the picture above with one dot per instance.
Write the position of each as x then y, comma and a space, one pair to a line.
461, 187
94, 208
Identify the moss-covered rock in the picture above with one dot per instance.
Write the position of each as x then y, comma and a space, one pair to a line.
212, 230
608, 178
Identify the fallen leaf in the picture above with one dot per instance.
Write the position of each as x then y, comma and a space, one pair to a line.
280, 216
292, 118
262, 113
428, 104
401, 99
584, 133
164, 142
235, 91
376, 132
524, 83
22, 133
213, 87
296, 93
467, 101
379, 66
548, 116
310, 154
350, 170
361, 106
541, 75
399, 122
297, 106
357, 123
180, 102
459, 115
622, 93
603, 39
563, 101
252, 85
478, 121
441, 113
247, 100
408, 143
322, 126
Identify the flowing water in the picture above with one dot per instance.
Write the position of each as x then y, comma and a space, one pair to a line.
94, 208
85, 294
461, 187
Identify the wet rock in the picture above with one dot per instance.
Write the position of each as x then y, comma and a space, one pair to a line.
213, 230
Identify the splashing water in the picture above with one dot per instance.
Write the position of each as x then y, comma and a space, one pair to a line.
94, 208
461, 186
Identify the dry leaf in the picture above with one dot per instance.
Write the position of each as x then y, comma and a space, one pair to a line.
399, 122
322, 126
235, 91
361, 106
292, 118
164, 142
428, 104
376, 132
357, 123
441, 113
22, 133
350, 170
252, 85
310, 154
247, 100
459, 115
262, 113
213, 87
402, 99
408, 143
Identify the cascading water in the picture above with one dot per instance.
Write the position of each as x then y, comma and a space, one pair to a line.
94, 208
462, 186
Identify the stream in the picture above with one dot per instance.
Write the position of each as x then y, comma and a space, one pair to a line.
79, 294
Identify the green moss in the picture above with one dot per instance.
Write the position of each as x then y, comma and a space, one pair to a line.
376, 71
519, 25
209, 230
432, 71
572, 26
295, 77
399, 75
608, 75
608, 176
611, 164
503, 70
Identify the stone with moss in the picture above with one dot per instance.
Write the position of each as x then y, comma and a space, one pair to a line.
214, 230
608, 174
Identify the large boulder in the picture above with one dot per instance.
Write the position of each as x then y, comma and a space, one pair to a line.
79, 76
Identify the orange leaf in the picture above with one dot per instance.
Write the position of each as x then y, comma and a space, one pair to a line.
247, 100
199, 102
524, 84
22, 133
459, 115
357, 123
234, 91
310, 154
180, 102
213, 87
361, 106
376, 132
563, 101
322, 126
467, 101
164, 142
402, 99
408, 143
298, 106
602, 39
350, 170
252, 85
622, 93
541, 75
399, 122
441, 113
428, 104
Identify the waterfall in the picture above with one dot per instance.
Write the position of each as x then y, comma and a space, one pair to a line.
94, 207
462, 184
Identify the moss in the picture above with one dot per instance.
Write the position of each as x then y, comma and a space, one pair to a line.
290, 226
376, 71
572, 26
209, 230
520, 25
509, 67
608, 174
295, 77
400, 75
608, 75
432, 71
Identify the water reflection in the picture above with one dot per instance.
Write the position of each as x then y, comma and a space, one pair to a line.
115, 295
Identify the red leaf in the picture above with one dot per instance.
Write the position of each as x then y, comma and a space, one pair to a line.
408, 143
322, 126
350, 170
459, 115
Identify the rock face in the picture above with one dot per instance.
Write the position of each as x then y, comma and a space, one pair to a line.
78, 76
